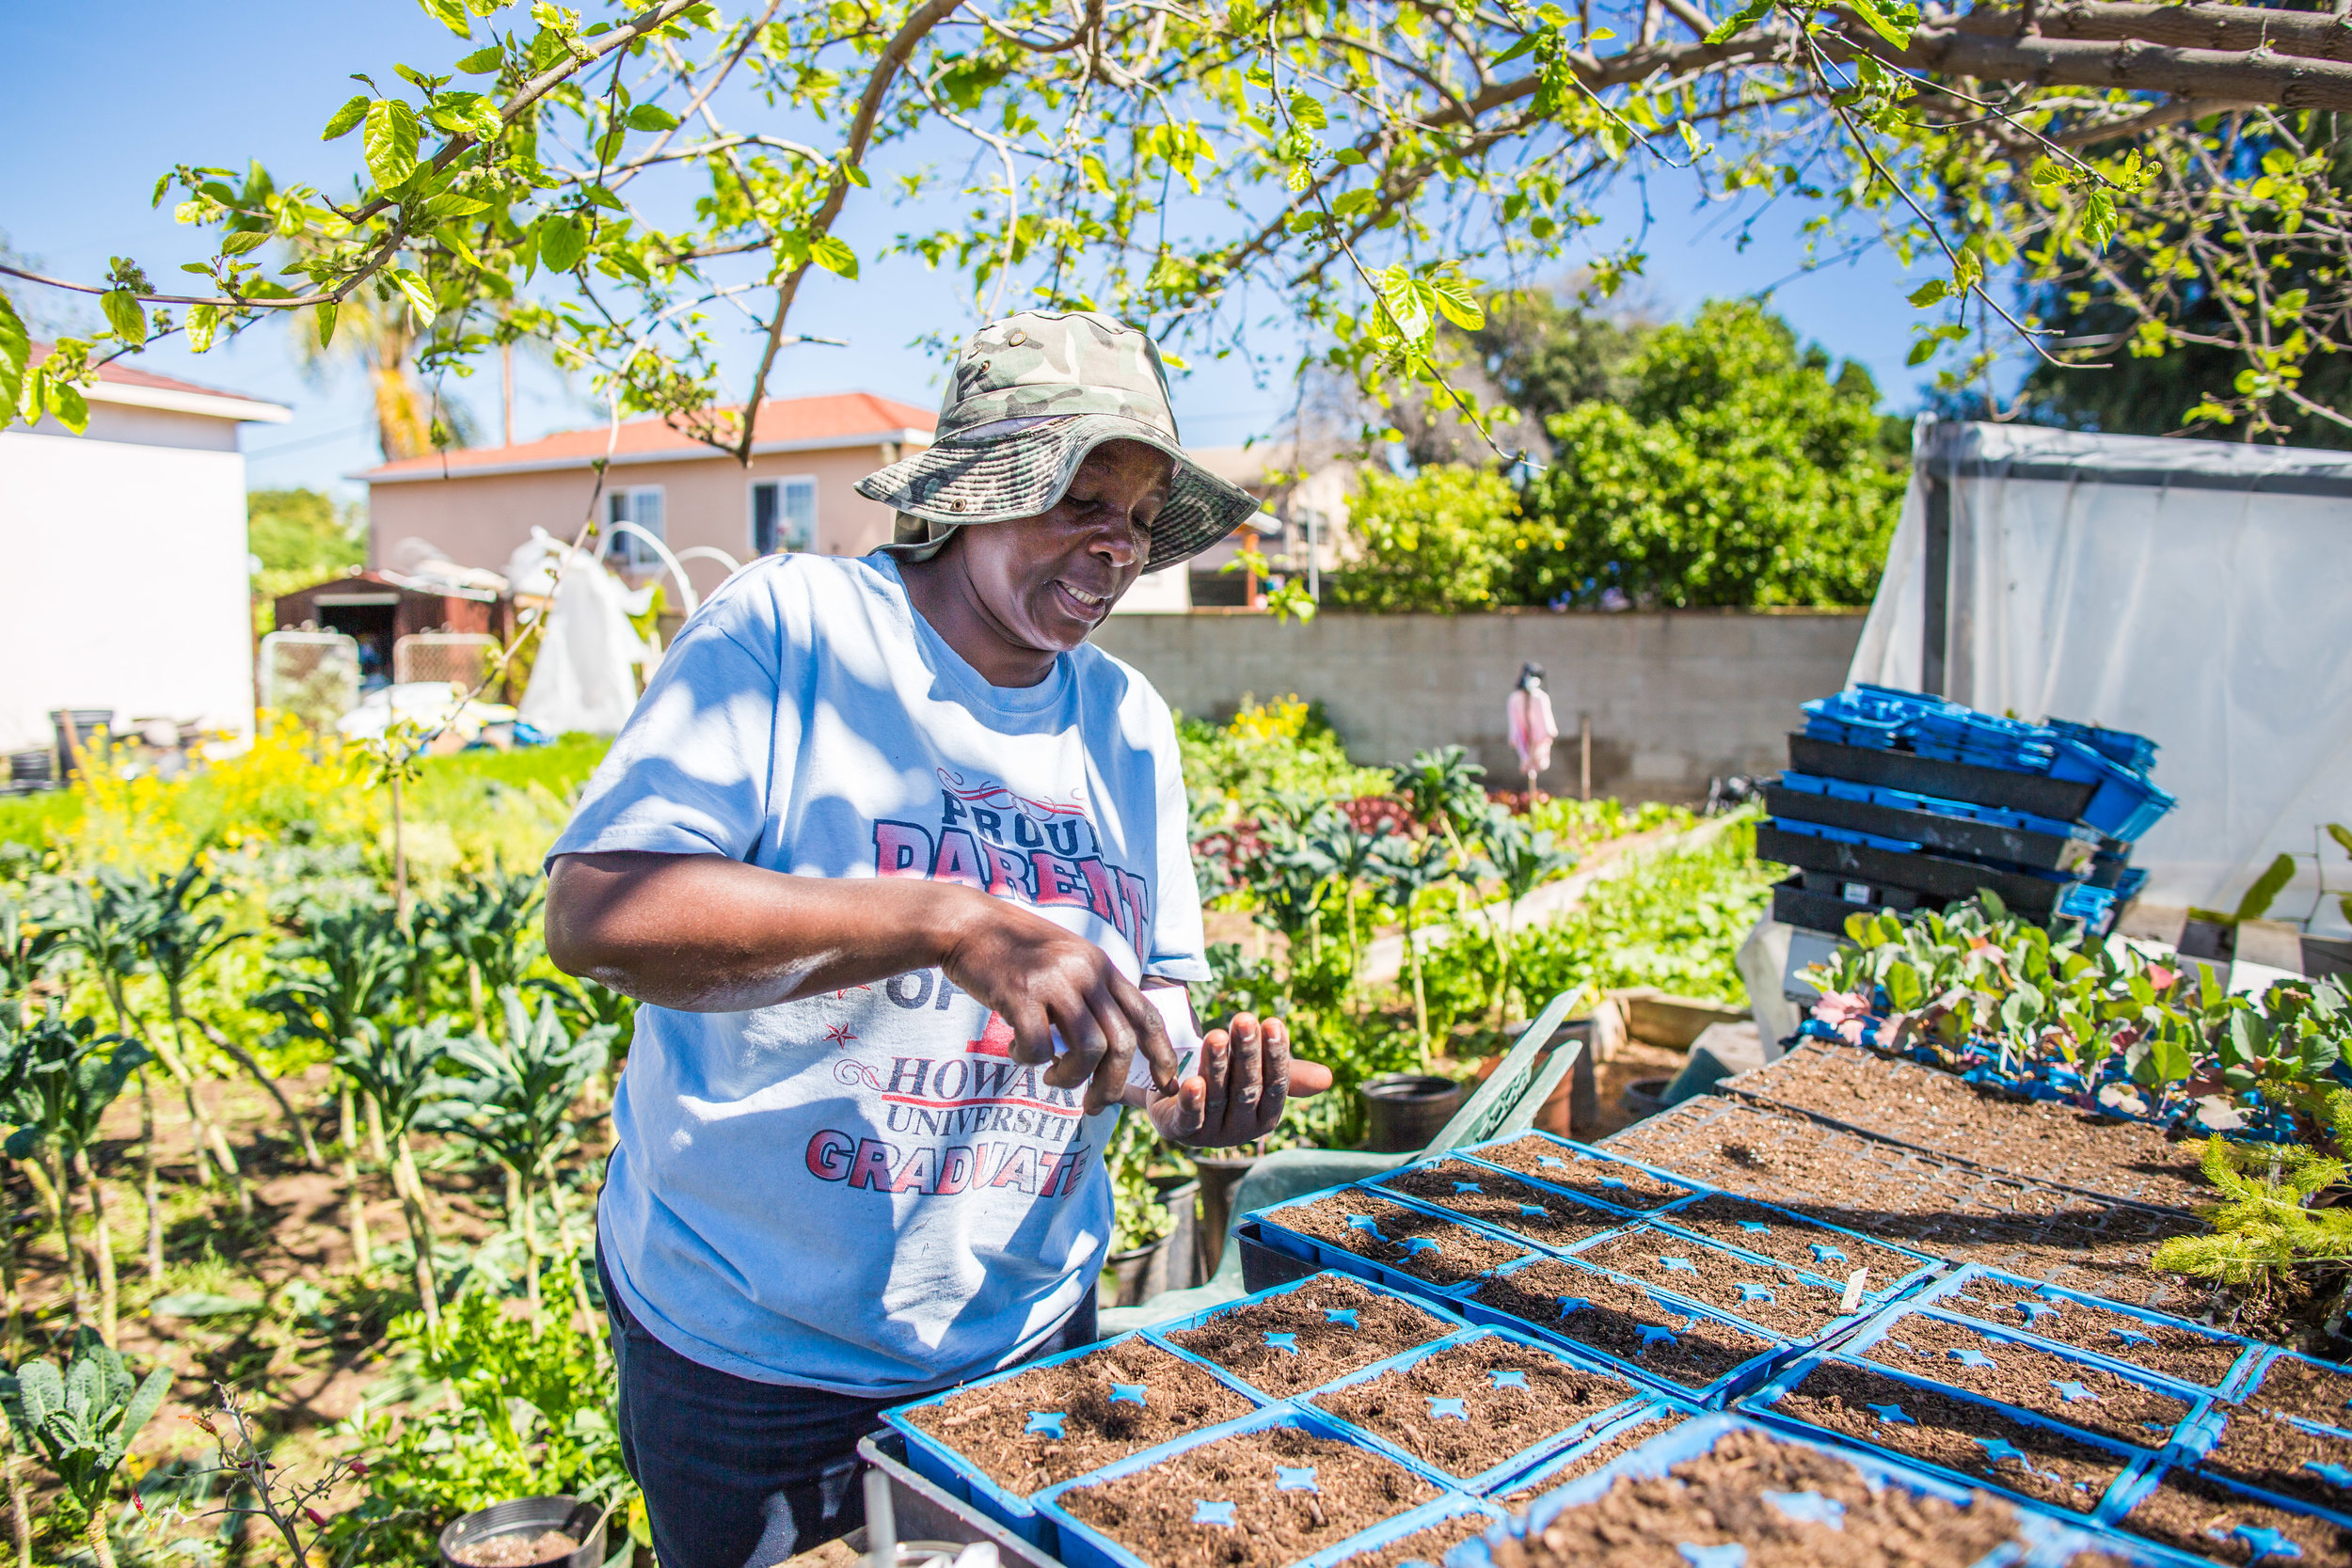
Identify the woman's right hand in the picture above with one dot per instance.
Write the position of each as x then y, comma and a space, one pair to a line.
1041, 979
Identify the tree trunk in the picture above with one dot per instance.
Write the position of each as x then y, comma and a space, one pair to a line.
355, 1204
108, 1298
411, 1188
51, 1186
293, 1118
19, 1511
150, 1185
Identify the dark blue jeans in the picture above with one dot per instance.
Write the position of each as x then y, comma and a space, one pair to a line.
739, 1474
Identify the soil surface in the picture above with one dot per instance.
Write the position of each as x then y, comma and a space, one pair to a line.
1622, 1319
1956, 1433
1752, 1228
1504, 1202
1007, 1431
2197, 1516
1468, 1408
1786, 1505
516, 1551
2046, 1384
1334, 1325
1596, 1457
1166, 1513
2294, 1387
1424, 1547
2279, 1456
1533, 1154
2174, 1349
1778, 1300
1929, 1205
1935, 1110
1395, 1237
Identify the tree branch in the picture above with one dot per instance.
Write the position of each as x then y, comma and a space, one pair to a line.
2310, 33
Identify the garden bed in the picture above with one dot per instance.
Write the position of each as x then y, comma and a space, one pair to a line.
2078, 1393
1479, 1409
1923, 1108
1504, 1202
1254, 1499
2169, 1347
1303, 1335
2204, 1518
1355, 1223
1776, 1300
1786, 1238
1946, 1429
1560, 1164
1619, 1319
1048, 1424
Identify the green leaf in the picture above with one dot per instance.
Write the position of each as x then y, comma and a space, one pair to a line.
450, 14
1524, 46
1307, 111
1349, 203
451, 205
237, 241
1741, 21
1457, 301
66, 403
562, 242
202, 1303
651, 117
1903, 988
1927, 294
2266, 887
419, 295
832, 255
2341, 835
202, 321
340, 123
326, 322
389, 142
482, 61
16, 348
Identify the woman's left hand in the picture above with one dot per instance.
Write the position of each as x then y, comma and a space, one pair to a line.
1246, 1076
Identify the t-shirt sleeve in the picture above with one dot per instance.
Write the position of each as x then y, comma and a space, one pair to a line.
692, 771
1178, 950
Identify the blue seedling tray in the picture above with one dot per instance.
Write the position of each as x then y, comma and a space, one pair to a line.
1080, 1546
1324, 1256
2245, 1387
1935, 805
1657, 1408
1764, 1405
1888, 1325
1575, 1154
2125, 804
2202, 1433
2045, 1540
948, 1468
1424, 1518
1603, 1213
1451, 1322
1486, 1480
1830, 1261
1672, 1243
2120, 747
1745, 1375
2120, 1502
1940, 1294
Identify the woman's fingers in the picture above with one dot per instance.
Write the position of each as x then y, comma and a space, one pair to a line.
1307, 1078
1109, 1079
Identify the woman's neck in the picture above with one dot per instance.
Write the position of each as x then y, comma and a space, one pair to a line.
943, 594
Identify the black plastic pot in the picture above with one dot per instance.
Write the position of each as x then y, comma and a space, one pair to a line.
531, 1516
1645, 1097
36, 766
81, 733
1405, 1109
1219, 1176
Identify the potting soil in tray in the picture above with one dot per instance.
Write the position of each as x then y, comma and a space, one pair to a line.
1504, 1202
1753, 1227
2196, 1516
1784, 1505
1254, 1499
1469, 1407
1398, 1238
2170, 1349
2074, 1392
2293, 1387
1051, 1423
1427, 1546
1771, 1298
1623, 1441
1609, 1180
1303, 1339
1958, 1434
1935, 1110
2277, 1455
1621, 1319
517, 1549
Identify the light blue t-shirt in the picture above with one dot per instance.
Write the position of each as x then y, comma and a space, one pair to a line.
862, 1192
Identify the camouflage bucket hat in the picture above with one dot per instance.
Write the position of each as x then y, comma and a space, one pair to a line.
1029, 397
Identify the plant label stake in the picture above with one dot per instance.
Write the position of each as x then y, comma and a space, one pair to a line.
882, 1525
1853, 1297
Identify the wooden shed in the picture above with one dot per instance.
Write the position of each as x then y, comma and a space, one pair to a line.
377, 609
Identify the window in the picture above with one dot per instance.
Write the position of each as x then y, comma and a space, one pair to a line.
641, 506
784, 515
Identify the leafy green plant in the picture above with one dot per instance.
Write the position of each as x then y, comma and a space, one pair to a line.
1441, 541
1407, 866
68, 1075
487, 925
81, 1420
397, 1070
1521, 859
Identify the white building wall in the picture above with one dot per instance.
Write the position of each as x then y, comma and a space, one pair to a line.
128, 573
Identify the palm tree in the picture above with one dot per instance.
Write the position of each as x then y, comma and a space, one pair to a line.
381, 338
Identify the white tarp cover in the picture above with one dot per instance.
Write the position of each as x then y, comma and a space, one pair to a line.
2199, 593
584, 677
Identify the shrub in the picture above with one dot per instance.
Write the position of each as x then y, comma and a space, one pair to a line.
1442, 540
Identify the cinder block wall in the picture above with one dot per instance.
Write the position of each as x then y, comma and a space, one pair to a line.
1675, 697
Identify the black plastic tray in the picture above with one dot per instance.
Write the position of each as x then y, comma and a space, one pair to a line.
2034, 793
1794, 904
1955, 835
1930, 874
1902, 901
1261, 1266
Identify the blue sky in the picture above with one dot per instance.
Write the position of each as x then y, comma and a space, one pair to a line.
97, 102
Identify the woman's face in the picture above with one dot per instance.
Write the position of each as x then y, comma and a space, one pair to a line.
1048, 581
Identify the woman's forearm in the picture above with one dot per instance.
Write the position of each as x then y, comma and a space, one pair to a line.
704, 933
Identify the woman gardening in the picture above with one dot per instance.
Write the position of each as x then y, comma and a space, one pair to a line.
897, 865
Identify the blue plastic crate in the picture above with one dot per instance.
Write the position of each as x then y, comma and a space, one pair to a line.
1486, 1481
1082, 1547
1768, 1405
2045, 1540
1448, 1321
1672, 1246
2252, 1377
1744, 1374
1609, 1219
950, 1470
2125, 805
1566, 1163
1323, 1255
1662, 1412
1889, 1323
1944, 1296
1935, 805
2134, 751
